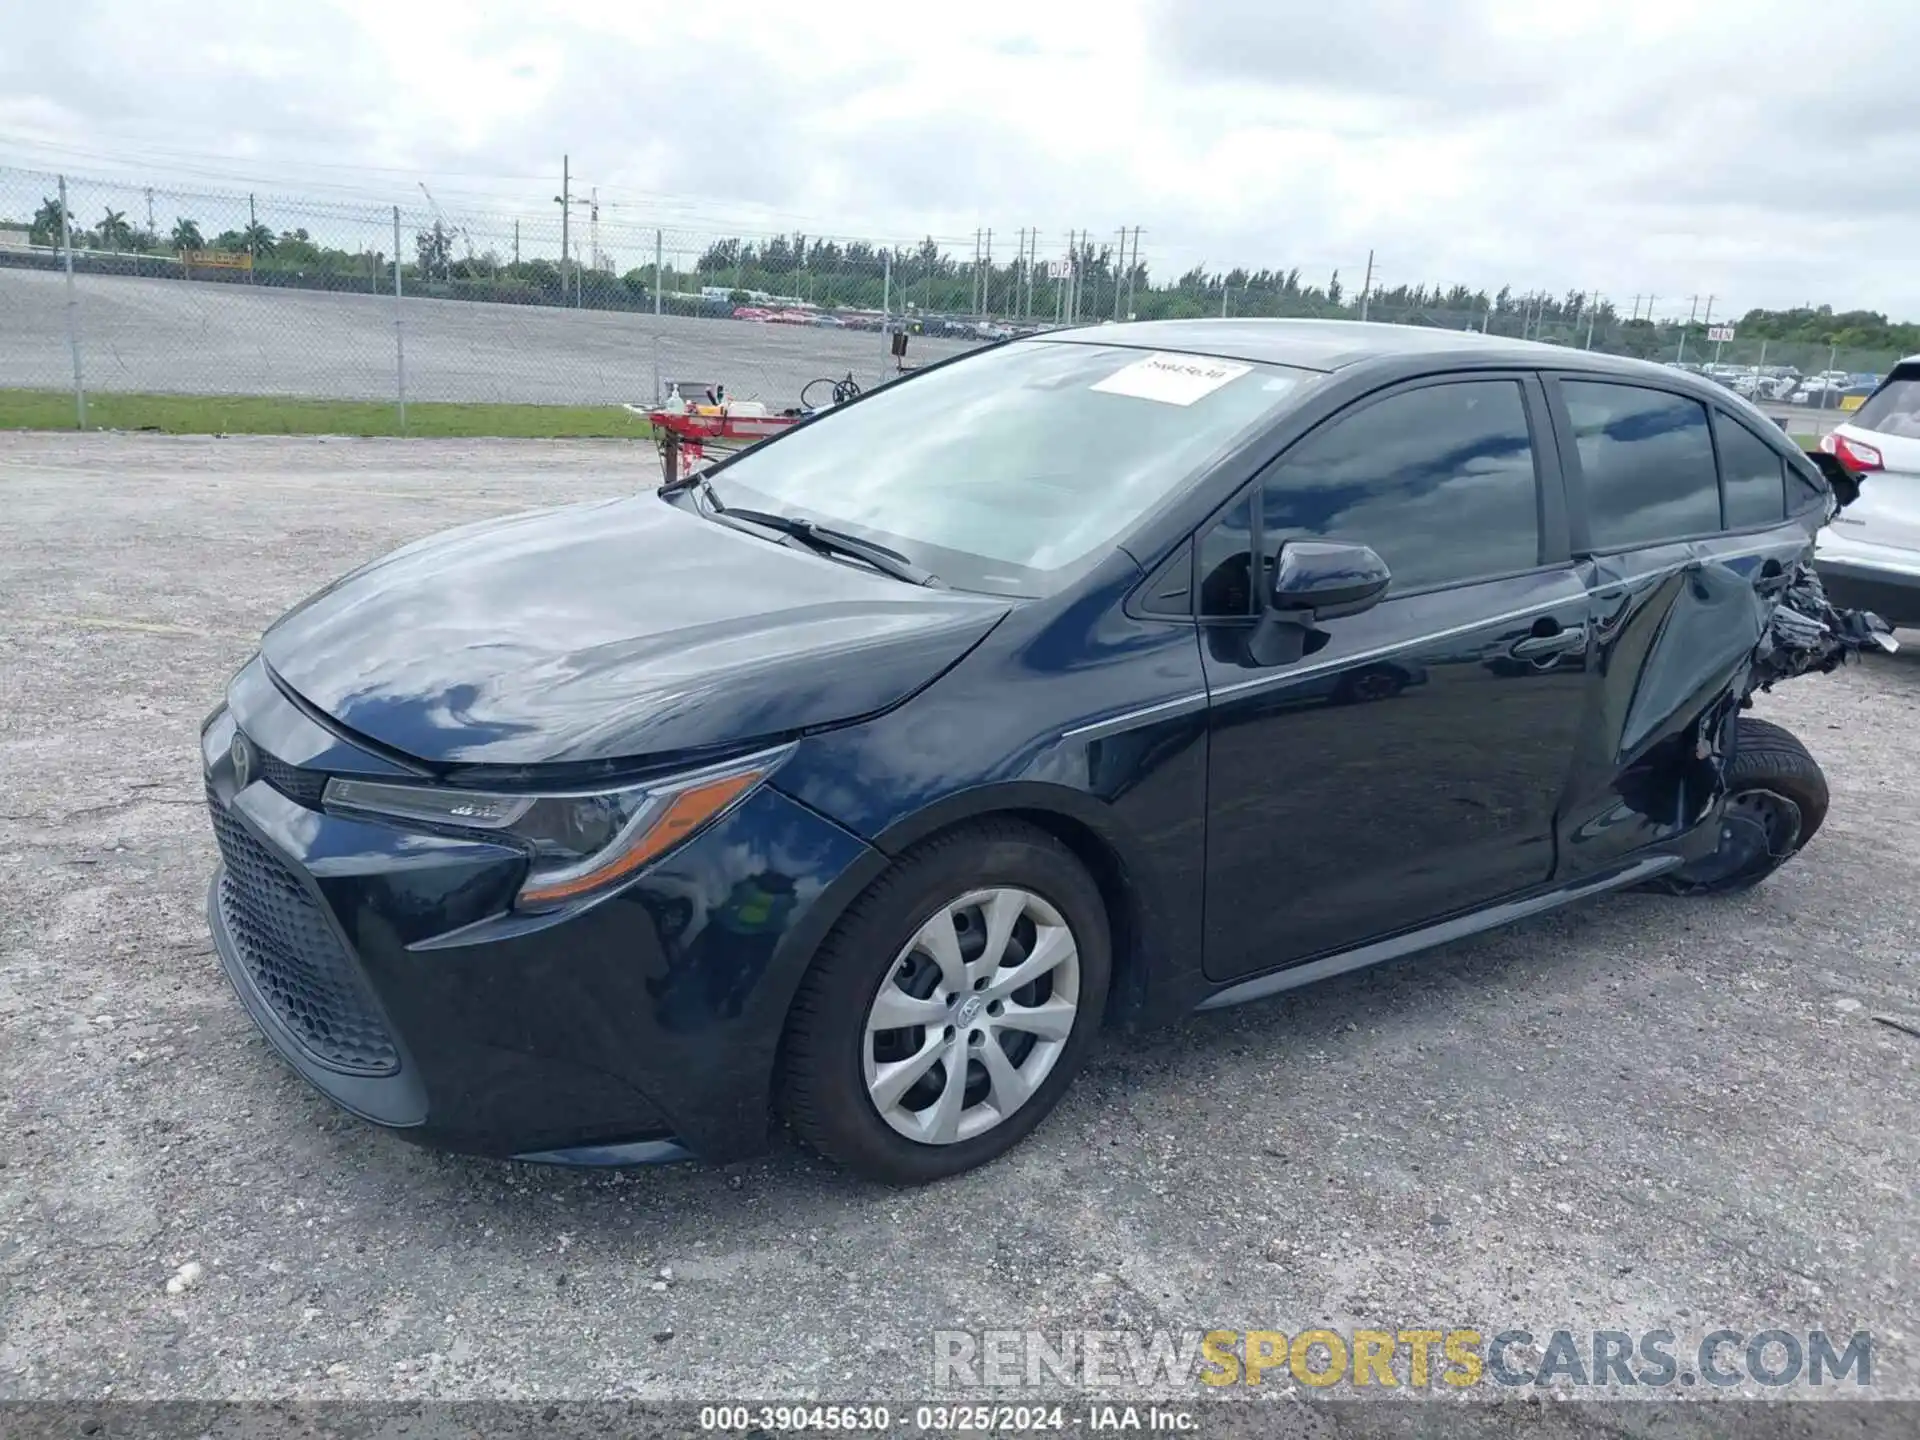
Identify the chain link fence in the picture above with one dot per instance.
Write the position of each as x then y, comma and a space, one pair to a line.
113, 288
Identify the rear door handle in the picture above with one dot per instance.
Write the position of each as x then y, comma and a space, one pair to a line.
1539, 647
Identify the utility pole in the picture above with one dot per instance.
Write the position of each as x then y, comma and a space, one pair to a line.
253, 248
1131, 268
1033, 259
566, 202
1060, 286
1693, 309
1366, 286
1120, 263
1082, 252
1072, 281
516, 244
1024, 290
986, 277
1593, 307
1019, 265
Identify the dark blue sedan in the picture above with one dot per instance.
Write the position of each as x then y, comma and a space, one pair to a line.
1076, 683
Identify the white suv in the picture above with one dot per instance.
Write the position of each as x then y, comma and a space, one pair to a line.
1869, 557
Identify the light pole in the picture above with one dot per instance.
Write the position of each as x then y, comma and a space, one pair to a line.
566, 201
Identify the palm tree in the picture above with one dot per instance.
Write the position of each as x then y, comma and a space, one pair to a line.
115, 233
44, 229
186, 235
258, 238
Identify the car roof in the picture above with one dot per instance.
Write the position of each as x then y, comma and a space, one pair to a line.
1327, 345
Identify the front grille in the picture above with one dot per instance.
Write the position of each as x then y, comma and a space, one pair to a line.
296, 963
303, 787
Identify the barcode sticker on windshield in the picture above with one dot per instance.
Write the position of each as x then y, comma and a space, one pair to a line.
1171, 379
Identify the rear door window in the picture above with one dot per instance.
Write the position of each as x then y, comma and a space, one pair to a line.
1646, 463
1894, 409
1752, 475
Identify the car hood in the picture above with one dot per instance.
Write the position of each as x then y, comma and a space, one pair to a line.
616, 630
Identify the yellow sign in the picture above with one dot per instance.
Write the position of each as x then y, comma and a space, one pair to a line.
216, 260
1852, 402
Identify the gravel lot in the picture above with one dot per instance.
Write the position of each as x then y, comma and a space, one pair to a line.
1649, 1112
207, 338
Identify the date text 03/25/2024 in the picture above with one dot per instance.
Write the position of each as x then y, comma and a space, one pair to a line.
855, 1419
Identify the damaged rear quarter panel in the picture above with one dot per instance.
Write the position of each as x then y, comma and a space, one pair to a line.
1676, 628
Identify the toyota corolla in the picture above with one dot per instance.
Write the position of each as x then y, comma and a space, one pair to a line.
1075, 684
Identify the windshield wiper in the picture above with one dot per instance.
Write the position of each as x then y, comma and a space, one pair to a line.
827, 540
696, 482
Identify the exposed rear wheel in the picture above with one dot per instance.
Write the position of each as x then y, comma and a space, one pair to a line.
949, 1010
1776, 802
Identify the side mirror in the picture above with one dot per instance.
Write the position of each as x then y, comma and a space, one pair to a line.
1317, 580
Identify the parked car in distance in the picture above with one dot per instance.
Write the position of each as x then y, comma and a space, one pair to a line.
1870, 556
1758, 384
1822, 388
864, 777
752, 312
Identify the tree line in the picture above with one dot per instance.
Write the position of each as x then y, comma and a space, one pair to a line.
930, 279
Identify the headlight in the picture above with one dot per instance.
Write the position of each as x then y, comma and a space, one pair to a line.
581, 842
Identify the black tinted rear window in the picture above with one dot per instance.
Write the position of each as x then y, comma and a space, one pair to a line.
1752, 474
1646, 462
1894, 409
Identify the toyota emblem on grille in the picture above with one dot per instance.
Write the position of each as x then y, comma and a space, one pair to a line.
241, 753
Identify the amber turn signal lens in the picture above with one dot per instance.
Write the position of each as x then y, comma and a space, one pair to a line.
684, 814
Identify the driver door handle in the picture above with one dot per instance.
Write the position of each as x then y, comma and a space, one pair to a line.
1539, 647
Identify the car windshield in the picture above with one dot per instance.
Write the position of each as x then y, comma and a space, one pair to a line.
1894, 409
1015, 469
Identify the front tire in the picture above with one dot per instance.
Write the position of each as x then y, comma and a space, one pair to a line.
950, 1008
1776, 802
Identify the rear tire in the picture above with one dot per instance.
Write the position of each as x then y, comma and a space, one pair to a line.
1776, 802
934, 945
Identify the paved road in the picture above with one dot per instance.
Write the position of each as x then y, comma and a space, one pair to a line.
1645, 1113
218, 339
1803, 419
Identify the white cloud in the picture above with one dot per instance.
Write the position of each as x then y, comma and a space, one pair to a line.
1753, 149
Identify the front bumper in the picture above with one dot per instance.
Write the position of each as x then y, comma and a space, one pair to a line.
390, 971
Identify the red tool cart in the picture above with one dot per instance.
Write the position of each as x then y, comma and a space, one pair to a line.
684, 435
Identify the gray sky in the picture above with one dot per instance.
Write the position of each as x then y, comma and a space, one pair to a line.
1768, 153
